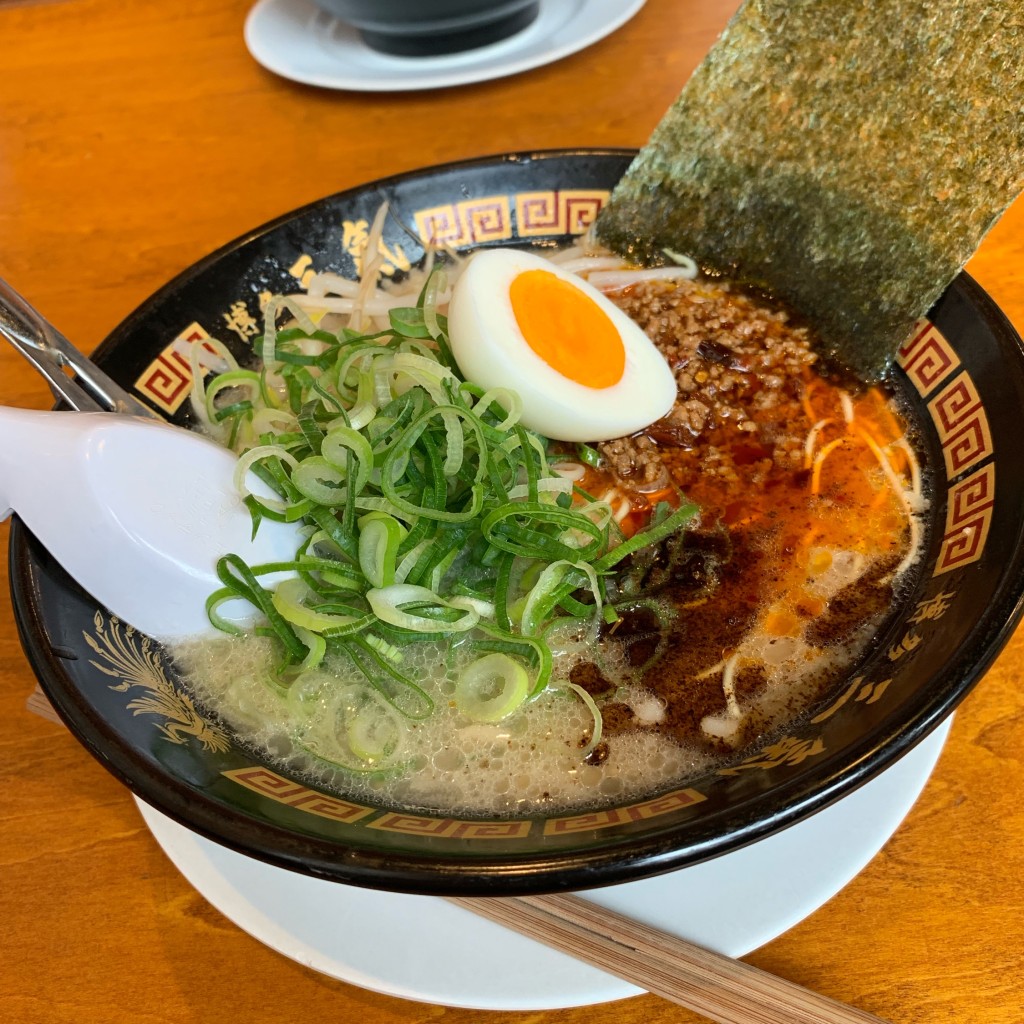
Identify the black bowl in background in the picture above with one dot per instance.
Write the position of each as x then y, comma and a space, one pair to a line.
962, 375
412, 28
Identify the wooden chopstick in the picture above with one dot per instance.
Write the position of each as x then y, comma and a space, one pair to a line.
718, 987
38, 704
722, 989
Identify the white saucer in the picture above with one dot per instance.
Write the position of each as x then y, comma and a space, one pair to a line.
420, 947
297, 40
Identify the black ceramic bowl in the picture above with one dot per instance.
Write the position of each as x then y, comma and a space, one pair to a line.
412, 28
962, 373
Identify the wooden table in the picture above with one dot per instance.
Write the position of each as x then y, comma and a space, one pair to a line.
135, 138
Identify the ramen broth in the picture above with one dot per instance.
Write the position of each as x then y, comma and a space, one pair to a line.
810, 500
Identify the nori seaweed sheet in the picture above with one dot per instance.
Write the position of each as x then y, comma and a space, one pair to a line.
846, 156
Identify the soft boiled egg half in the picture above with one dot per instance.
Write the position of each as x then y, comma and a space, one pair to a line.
583, 369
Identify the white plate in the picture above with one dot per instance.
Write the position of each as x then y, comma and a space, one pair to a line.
297, 40
420, 947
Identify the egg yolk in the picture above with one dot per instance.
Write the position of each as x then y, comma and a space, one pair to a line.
567, 329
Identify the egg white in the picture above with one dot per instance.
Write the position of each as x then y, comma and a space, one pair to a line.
492, 352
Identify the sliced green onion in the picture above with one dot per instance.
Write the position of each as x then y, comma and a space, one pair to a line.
316, 479
436, 284
238, 577
433, 516
508, 401
290, 597
335, 448
316, 645
355, 731
491, 688
408, 698
387, 603
374, 732
379, 538
654, 533
549, 591
255, 455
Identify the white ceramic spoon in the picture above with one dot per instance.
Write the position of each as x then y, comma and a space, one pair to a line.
137, 511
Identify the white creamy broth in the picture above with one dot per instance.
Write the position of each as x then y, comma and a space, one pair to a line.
528, 761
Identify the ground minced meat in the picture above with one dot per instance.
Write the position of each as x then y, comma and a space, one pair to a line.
739, 365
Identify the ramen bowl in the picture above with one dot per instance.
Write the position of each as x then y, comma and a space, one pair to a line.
961, 375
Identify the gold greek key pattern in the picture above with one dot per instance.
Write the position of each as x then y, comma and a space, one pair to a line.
927, 358
954, 405
470, 222
167, 380
562, 212
284, 791
962, 425
963, 430
451, 828
971, 496
968, 518
623, 815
